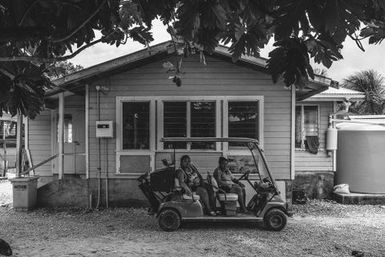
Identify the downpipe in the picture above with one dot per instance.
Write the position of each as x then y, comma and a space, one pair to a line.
99, 152
99, 90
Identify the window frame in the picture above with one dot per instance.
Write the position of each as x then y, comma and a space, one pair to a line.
187, 99
260, 100
302, 121
156, 125
119, 132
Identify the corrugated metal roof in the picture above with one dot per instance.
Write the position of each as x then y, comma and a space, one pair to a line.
337, 94
341, 91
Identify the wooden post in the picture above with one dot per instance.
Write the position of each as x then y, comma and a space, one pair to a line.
4, 148
26, 142
87, 114
61, 136
19, 144
292, 134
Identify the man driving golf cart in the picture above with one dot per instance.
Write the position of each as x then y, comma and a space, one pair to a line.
173, 208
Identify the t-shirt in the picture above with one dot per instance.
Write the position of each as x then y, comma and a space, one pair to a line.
223, 177
188, 176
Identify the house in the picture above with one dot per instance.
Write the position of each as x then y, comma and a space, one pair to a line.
314, 172
8, 126
134, 95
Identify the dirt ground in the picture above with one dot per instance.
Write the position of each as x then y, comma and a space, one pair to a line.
319, 228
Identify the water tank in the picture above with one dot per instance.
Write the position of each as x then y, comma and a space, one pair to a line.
361, 157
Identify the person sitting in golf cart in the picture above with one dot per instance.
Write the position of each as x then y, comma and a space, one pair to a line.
190, 180
228, 183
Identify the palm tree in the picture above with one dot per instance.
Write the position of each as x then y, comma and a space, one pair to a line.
372, 84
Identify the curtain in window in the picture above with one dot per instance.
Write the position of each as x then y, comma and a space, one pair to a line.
312, 144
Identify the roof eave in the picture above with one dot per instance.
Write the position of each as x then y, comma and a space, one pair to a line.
334, 98
88, 74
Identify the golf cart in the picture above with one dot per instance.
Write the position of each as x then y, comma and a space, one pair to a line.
173, 207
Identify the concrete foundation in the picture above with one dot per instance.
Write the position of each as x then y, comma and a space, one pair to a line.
316, 185
75, 191
354, 198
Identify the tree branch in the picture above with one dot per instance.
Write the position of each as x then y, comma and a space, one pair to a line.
45, 60
81, 25
27, 11
7, 73
358, 43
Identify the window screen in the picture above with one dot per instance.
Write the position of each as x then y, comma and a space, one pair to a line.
203, 123
136, 125
175, 122
243, 119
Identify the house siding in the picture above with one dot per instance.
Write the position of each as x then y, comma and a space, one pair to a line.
306, 161
40, 142
217, 78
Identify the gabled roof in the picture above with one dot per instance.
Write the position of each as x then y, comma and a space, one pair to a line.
74, 81
337, 94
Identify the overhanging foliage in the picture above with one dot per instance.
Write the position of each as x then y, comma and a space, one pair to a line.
43, 31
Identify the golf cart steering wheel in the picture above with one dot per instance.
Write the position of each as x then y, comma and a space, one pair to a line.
245, 175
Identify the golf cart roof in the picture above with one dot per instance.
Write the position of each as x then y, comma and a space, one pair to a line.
209, 139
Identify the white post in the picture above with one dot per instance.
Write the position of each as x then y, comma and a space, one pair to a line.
87, 114
333, 125
292, 136
26, 132
4, 147
61, 136
19, 144
26, 142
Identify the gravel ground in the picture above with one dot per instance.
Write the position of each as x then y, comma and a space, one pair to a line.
5, 192
319, 228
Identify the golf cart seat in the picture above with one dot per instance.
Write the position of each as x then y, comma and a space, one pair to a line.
178, 188
227, 197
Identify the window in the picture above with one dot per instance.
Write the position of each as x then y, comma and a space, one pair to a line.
189, 119
175, 122
306, 124
243, 119
8, 133
67, 130
136, 125
203, 123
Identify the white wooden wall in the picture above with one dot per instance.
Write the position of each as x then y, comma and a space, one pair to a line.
218, 78
305, 161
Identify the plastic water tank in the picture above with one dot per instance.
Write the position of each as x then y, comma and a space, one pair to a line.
361, 157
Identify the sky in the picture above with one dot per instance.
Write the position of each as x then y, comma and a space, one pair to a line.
354, 60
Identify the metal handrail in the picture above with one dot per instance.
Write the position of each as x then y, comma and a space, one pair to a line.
39, 164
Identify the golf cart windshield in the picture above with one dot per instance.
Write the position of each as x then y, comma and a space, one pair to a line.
261, 168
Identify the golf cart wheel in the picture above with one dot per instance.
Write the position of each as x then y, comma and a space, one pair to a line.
169, 220
275, 219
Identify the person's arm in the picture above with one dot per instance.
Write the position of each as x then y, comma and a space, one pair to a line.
233, 178
181, 177
194, 168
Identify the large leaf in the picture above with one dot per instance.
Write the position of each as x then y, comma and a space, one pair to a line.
290, 61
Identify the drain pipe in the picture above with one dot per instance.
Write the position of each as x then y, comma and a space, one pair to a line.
107, 188
98, 88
